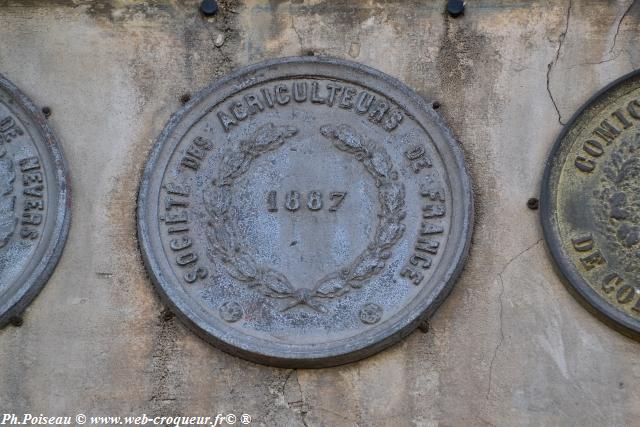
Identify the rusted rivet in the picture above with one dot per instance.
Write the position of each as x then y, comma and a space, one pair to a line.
533, 203
16, 321
167, 315
424, 326
46, 111
455, 7
185, 98
435, 105
209, 7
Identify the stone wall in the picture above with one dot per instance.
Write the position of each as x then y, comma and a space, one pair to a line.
510, 346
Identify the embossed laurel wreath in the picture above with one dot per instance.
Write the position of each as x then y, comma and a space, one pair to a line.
240, 264
7, 199
619, 196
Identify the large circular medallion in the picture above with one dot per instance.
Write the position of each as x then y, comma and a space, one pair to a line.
305, 212
591, 204
34, 201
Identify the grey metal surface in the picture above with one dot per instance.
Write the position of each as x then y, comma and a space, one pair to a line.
590, 206
34, 201
305, 211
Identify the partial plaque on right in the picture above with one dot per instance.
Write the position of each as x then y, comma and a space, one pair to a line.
591, 204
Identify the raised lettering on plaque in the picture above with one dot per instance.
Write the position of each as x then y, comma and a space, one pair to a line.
305, 212
34, 200
591, 204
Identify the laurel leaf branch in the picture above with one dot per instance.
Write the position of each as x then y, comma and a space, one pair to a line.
241, 266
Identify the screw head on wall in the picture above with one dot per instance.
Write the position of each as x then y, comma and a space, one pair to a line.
16, 321
455, 7
209, 7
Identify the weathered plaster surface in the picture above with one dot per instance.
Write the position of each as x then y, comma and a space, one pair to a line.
510, 346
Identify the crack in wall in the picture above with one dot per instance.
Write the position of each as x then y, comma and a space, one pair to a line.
295, 30
581, 64
497, 348
610, 52
555, 60
615, 37
298, 404
612, 48
166, 374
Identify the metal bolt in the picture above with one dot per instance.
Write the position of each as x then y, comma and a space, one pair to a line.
435, 105
209, 7
46, 111
424, 326
455, 7
533, 203
16, 321
185, 98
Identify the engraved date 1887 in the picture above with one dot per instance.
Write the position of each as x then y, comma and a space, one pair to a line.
313, 200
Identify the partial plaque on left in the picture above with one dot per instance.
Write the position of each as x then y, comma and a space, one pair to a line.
34, 201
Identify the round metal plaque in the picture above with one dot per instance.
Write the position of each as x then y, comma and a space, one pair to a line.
34, 201
591, 204
305, 212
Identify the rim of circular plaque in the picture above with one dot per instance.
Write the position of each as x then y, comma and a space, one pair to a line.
35, 276
572, 279
369, 341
